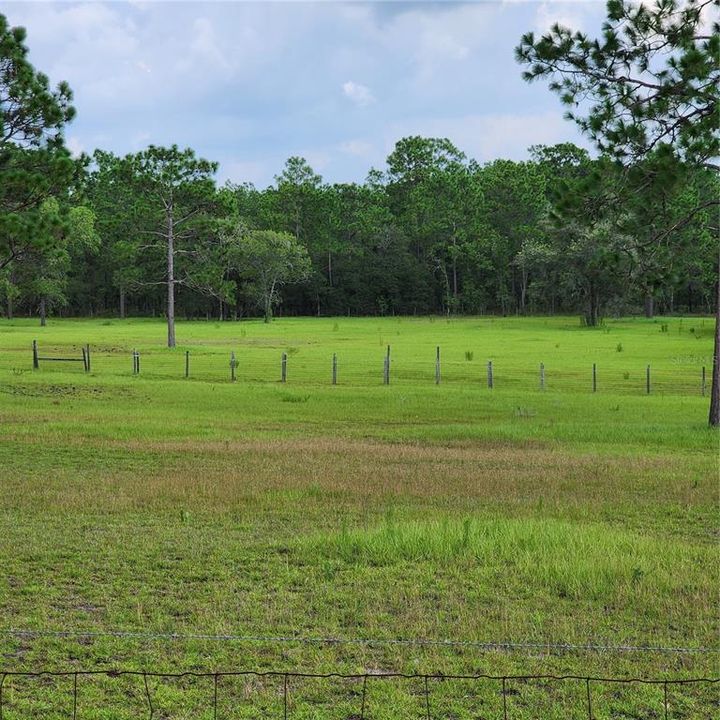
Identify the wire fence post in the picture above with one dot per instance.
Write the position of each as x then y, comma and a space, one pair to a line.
36, 362
437, 365
427, 699
334, 369
215, 696
147, 696
386, 367
703, 383
84, 359
542, 376
364, 694
285, 697
504, 698
283, 367
187, 363
490, 374
594, 377
136, 362
87, 358
75, 696
589, 700
233, 364
647, 380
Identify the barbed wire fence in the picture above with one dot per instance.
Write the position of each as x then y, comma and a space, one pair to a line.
603, 647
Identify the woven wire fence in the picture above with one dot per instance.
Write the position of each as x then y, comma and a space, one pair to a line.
355, 696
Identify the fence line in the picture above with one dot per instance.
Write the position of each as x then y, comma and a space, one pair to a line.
260, 366
277, 639
285, 675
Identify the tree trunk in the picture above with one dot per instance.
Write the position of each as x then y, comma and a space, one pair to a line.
523, 291
592, 316
10, 306
268, 309
715, 389
170, 280
122, 303
649, 305
43, 313
330, 269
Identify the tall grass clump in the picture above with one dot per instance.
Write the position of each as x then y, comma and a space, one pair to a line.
566, 559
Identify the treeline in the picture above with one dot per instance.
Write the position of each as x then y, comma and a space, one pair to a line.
152, 233
434, 232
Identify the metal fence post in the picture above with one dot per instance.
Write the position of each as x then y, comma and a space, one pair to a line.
283, 367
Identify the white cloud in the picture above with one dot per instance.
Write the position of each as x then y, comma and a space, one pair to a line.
356, 147
205, 47
74, 145
257, 172
569, 15
357, 93
487, 137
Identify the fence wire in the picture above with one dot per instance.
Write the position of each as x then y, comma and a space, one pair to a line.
359, 367
505, 687
419, 642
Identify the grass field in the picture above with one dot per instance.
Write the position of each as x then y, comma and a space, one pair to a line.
159, 504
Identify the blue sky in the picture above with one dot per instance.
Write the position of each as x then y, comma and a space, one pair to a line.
251, 83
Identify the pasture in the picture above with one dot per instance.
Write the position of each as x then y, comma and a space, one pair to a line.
162, 505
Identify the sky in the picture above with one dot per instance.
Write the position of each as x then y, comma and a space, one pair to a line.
249, 84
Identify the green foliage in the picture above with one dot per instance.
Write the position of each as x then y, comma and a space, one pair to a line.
651, 80
34, 165
267, 260
648, 94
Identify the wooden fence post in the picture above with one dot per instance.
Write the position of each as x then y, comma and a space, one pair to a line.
594, 378
437, 365
84, 359
490, 374
283, 367
233, 364
36, 362
542, 376
386, 367
647, 380
87, 358
187, 363
334, 369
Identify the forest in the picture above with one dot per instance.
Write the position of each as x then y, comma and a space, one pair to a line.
433, 232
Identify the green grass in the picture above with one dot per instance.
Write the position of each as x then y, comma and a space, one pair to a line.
160, 504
